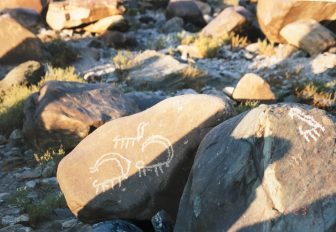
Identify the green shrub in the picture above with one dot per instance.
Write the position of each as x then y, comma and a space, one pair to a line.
62, 55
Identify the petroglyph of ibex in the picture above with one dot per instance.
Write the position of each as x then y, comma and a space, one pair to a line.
155, 139
308, 133
117, 162
124, 165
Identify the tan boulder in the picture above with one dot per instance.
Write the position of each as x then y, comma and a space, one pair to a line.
36, 5
308, 35
231, 19
17, 44
104, 24
70, 13
276, 14
135, 166
253, 87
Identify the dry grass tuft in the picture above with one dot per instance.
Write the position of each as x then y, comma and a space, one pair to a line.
266, 48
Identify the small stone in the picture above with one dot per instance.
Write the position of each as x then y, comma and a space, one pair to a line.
49, 181
31, 184
3, 197
253, 87
253, 48
49, 170
70, 223
3, 140
28, 175
16, 135
9, 220
173, 25
228, 90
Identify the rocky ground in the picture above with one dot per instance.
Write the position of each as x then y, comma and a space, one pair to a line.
140, 59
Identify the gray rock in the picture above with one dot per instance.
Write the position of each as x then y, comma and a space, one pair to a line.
11, 220
269, 169
16, 228
115, 225
174, 24
145, 100
3, 140
162, 222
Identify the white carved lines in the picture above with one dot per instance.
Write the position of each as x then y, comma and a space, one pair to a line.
155, 139
120, 163
124, 165
312, 132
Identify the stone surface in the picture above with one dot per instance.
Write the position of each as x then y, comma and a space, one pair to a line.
270, 169
72, 13
145, 100
231, 19
26, 17
174, 24
152, 70
253, 87
36, 5
27, 73
276, 14
22, 46
187, 10
117, 39
104, 24
308, 35
66, 112
141, 162
115, 225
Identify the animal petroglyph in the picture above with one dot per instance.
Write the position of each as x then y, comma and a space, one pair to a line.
312, 132
123, 143
155, 139
124, 165
119, 163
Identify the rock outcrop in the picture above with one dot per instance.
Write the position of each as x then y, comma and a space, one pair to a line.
63, 113
276, 14
269, 169
72, 13
17, 44
135, 166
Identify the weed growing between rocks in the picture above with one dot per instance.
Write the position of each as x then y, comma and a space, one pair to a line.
62, 54
238, 41
209, 46
12, 101
266, 48
245, 106
37, 210
318, 94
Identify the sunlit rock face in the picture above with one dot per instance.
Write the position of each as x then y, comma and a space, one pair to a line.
135, 166
270, 169
274, 15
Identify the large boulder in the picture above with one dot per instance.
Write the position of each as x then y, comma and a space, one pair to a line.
135, 166
37, 5
274, 15
28, 18
309, 35
72, 13
17, 44
270, 169
63, 113
187, 10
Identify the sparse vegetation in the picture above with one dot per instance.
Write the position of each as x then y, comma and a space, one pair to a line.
12, 100
266, 48
244, 106
238, 41
318, 94
208, 46
159, 44
123, 60
51, 155
62, 54
37, 210
186, 39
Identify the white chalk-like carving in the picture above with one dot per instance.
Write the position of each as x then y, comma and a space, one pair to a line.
120, 163
123, 143
312, 132
155, 139
124, 165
